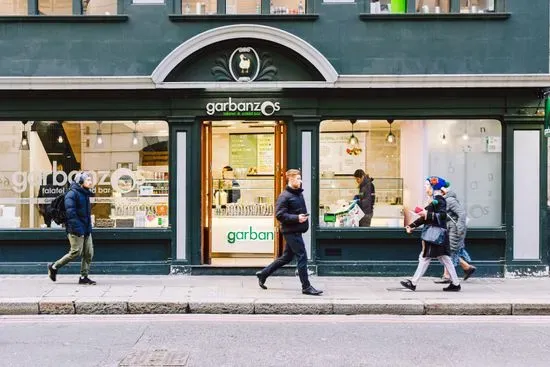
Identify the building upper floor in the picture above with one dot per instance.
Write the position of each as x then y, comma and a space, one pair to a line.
361, 37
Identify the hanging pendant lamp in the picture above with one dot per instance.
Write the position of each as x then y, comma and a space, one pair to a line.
390, 138
353, 139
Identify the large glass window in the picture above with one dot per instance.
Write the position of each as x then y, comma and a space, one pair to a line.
287, 7
388, 6
55, 7
13, 7
396, 157
128, 159
243, 6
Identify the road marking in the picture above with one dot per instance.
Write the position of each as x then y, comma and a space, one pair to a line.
366, 319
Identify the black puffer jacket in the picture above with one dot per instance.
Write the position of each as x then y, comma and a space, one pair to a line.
289, 205
79, 210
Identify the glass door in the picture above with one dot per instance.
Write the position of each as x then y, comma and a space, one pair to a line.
243, 166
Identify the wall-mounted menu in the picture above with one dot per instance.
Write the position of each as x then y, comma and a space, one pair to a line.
333, 156
254, 152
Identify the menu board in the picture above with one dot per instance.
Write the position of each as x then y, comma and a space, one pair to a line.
252, 151
243, 150
333, 156
266, 153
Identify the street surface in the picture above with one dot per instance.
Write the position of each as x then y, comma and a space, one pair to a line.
273, 340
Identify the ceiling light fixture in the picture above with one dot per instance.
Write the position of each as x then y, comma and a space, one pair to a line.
60, 136
353, 139
24, 138
390, 138
135, 140
98, 134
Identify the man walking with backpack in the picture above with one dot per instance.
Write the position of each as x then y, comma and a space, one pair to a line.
79, 228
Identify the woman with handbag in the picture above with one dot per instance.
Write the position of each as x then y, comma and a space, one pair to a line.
435, 242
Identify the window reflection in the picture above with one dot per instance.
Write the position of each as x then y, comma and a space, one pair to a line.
206, 7
287, 7
433, 6
477, 6
99, 7
388, 6
55, 7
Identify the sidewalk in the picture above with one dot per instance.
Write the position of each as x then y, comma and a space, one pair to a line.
32, 294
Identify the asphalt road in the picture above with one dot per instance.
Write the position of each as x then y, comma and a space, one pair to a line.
253, 340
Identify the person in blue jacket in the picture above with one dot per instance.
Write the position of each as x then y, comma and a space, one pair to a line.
78, 227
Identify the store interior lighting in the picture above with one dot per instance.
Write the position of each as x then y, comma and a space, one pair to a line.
135, 140
443, 139
24, 138
390, 138
60, 136
353, 141
99, 135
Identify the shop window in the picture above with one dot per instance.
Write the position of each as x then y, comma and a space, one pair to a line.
388, 6
13, 7
398, 156
190, 7
433, 6
55, 7
129, 162
99, 7
287, 7
477, 6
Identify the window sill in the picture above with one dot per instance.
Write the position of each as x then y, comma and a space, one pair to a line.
63, 18
324, 233
244, 17
443, 16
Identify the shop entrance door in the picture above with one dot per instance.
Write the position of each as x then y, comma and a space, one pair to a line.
243, 165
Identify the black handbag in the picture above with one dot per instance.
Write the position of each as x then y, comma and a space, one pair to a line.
434, 234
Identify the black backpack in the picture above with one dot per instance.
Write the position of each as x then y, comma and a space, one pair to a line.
56, 210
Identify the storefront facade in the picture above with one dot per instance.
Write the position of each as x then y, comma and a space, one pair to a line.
188, 140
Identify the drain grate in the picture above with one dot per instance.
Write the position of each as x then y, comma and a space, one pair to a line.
155, 358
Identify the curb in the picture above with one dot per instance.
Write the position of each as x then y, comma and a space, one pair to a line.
263, 306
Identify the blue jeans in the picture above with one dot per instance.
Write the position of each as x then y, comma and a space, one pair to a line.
294, 246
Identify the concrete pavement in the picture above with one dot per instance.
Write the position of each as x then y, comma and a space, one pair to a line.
140, 294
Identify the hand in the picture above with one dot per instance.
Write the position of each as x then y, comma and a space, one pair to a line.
408, 229
302, 218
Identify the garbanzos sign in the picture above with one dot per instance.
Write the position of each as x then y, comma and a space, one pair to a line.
243, 108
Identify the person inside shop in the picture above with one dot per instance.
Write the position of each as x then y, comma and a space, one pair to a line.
231, 185
365, 197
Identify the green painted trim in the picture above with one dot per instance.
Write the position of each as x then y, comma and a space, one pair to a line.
431, 16
101, 267
244, 17
399, 268
98, 234
399, 233
64, 18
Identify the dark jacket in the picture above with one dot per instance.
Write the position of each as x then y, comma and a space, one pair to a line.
289, 205
366, 195
437, 214
79, 210
456, 225
234, 194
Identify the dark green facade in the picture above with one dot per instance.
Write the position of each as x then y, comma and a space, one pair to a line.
513, 42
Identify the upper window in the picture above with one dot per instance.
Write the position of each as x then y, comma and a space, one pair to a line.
477, 6
189, 7
13, 7
128, 161
99, 7
433, 6
393, 159
208, 7
55, 7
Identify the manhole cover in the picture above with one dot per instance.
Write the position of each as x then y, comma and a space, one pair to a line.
157, 357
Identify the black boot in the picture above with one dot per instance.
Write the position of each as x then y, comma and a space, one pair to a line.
52, 273
86, 280
310, 291
261, 280
408, 284
452, 288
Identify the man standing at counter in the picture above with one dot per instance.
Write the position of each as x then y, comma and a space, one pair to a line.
234, 193
366, 196
291, 212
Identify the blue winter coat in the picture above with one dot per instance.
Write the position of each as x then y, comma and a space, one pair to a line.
79, 210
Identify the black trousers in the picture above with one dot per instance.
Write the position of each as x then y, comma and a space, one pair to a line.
294, 246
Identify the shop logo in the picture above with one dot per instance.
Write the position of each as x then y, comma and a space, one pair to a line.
244, 64
249, 235
230, 108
